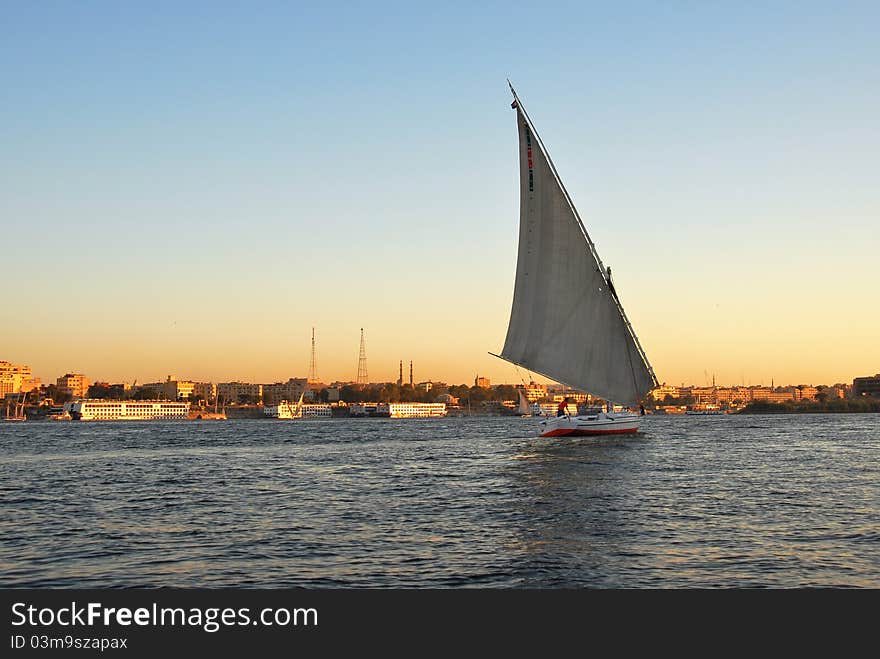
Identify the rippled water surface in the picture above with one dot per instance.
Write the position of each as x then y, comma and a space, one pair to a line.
724, 501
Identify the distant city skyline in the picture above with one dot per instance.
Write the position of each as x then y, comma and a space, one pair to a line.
527, 376
190, 189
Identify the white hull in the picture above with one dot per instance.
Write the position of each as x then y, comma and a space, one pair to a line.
293, 411
598, 424
126, 410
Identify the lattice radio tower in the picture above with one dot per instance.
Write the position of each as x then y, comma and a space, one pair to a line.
313, 364
362, 362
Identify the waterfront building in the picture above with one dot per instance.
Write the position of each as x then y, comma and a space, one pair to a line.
235, 392
9, 384
175, 389
279, 391
732, 395
16, 378
703, 394
535, 391
205, 391
664, 390
151, 389
805, 392
772, 396
171, 388
866, 386
483, 383
9, 367
836, 391
105, 390
73, 384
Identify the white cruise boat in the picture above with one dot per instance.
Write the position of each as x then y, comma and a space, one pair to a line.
411, 410
288, 410
126, 410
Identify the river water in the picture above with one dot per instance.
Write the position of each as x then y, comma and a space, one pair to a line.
713, 501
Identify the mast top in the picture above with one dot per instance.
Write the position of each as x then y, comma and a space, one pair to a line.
515, 103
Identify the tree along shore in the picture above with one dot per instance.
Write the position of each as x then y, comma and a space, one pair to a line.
813, 407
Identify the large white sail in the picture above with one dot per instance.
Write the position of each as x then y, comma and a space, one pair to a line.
566, 321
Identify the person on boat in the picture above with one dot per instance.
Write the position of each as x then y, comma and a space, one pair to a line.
610, 283
562, 410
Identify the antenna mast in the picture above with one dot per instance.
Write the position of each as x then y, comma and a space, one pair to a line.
362, 362
313, 364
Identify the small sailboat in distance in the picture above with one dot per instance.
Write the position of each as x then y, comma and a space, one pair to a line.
19, 413
288, 411
566, 321
524, 408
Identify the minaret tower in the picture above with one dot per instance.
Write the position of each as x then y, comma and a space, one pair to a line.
313, 364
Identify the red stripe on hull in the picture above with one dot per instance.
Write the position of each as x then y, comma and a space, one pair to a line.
575, 432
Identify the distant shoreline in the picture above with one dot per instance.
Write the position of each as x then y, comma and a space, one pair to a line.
807, 412
841, 406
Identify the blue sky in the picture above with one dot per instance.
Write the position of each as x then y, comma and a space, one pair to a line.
229, 175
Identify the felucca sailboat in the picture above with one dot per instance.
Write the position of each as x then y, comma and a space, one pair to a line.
288, 411
524, 408
567, 322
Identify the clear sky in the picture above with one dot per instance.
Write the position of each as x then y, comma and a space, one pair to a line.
188, 188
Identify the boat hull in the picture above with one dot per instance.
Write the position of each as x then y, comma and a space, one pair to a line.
600, 424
